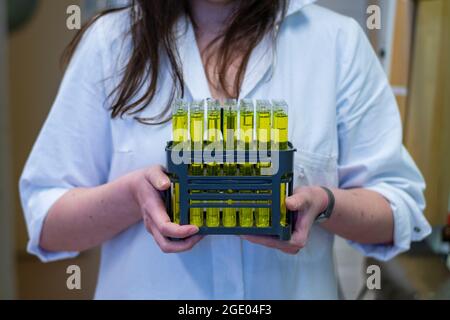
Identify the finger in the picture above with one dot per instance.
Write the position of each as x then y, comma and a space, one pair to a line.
156, 210
183, 245
190, 242
172, 230
168, 246
158, 178
301, 231
273, 243
298, 201
154, 207
265, 241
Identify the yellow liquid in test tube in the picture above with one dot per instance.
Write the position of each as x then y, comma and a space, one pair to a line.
280, 126
180, 122
280, 123
214, 134
263, 133
197, 124
230, 123
247, 117
180, 135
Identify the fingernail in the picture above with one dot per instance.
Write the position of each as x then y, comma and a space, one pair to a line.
294, 205
163, 183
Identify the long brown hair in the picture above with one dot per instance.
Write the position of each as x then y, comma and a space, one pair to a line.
153, 32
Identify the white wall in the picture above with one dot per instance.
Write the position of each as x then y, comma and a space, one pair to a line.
7, 276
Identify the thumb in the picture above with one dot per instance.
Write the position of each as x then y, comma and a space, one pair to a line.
158, 178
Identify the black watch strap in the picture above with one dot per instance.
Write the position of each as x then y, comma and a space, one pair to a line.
325, 215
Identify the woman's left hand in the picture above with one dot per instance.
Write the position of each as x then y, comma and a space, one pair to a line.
309, 202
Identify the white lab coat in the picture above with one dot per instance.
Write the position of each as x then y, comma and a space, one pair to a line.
343, 120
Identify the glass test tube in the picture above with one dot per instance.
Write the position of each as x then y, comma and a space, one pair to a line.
280, 139
247, 117
230, 125
180, 135
197, 125
263, 135
214, 134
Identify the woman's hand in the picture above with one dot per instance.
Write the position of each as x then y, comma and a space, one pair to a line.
309, 202
146, 186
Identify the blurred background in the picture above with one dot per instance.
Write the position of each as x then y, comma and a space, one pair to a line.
414, 47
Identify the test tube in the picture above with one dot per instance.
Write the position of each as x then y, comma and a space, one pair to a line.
197, 128
263, 135
230, 125
180, 135
247, 117
280, 139
280, 124
214, 135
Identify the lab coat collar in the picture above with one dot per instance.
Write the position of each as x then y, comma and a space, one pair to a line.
296, 5
259, 67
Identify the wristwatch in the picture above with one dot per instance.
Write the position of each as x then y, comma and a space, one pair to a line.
325, 215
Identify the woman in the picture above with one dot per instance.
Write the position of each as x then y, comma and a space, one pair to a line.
94, 175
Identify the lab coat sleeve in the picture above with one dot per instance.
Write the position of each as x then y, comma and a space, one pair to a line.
74, 146
371, 153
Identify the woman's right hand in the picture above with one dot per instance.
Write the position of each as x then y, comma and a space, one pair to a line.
146, 186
